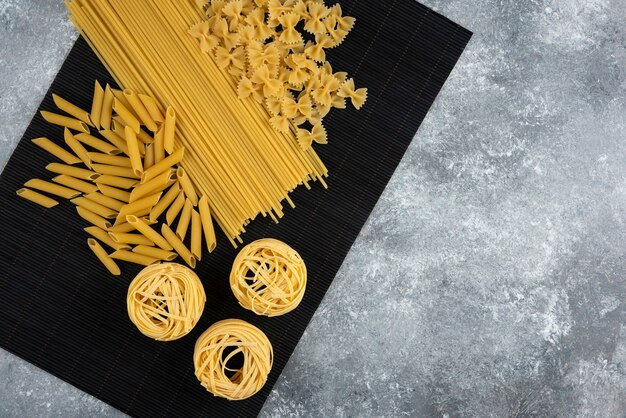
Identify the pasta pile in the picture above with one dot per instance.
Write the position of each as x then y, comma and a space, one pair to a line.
218, 345
268, 277
165, 301
232, 154
129, 180
259, 44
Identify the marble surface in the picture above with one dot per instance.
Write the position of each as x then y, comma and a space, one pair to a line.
492, 273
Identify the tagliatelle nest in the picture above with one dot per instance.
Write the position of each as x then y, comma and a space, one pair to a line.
275, 50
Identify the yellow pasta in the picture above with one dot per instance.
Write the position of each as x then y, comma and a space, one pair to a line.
74, 183
154, 252
165, 202
114, 170
98, 144
103, 236
136, 208
76, 146
142, 227
100, 158
105, 201
65, 121
133, 257
119, 182
116, 140
103, 257
68, 170
140, 110
152, 107
107, 108
148, 159
71, 109
94, 207
117, 194
175, 208
163, 165
133, 151
96, 104
144, 137
57, 151
178, 245
51, 188
196, 235
168, 130
128, 118
183, 221
38, 198
186, 185
157, 184
207, 224
93, 218
159, 150
131, 239
119, 95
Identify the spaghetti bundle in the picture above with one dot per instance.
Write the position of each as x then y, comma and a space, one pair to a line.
233, 156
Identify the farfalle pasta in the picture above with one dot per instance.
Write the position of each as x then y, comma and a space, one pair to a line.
276, 52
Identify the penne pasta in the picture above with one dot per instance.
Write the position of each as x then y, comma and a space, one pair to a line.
155, 252
184, 220
100, 158
132, 239
104, 237
133, 151
98, 144
119, 95
52, 188
144, 137
140, 110
136, 208
77, 147
114, 170
187, 186
165, 202
117, 126
71, 109
169, 127
163, 165
178, 245
68, 170
133, 257
128, 118
96, 105
152, 235
119, 182
175, 208
117, 194
94, 207
56, 119
107, 108
207, 223
152, 107
148, 159
159, 151
103, 257
38, 198
93, 218
56, 150
105, 201
196, 235
116, 140
76, 184
157, 184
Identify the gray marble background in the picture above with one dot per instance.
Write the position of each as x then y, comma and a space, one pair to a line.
490, 279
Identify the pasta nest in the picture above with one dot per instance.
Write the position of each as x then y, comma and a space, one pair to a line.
165, 301
219, 345
268, 277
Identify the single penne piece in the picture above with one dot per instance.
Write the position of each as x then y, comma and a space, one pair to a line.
71, 109
148, 159
143, 213
128, 118
131, 239
38, 198
158, 183
117, 194
119, 95
184, 220
165, 202
207, 223
187, 186
169, 128
178, 245
196, 235
118, 141
54, 149
144, 137
51, 188
136, 208
144, 229
103, 257
93, 218
133, 257
133, 151
119, 182
127, 227
100, 158
114, 170
107, 108
159, 151
105, 201
117, 126
68, 170
98, 144
56, 119
164, 164
94, 207
155, 252
77, 147
103, 236
152, 107
76, 184
140, 110
175, 208
96, 104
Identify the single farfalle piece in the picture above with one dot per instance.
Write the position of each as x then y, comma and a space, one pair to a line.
247, 6
259, 54
289, 34
201, 31
280, 123
337, 101
317, 135
246, 88
233, 12
276, 9
299, 7
228, 38
256, 18
336, 33
247, 34
358, 97
303, 106
225, 58
273, 105
315, 50
263, 76
345, 23
313, 23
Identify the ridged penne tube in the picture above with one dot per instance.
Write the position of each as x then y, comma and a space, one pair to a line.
159, 151
54, 149
178, 245
164, 164
152, 235
107, 108
96, 104
94, 207
133, 257
92, 218
116, 140
76, 184
196, 235
184, 220
152, 107
68, 170
135, 208
140, 110
114, 170
133, 151
128, 118
119, 95
148, 159
100, 158
117, 194
175, 208
158, 183
155, 252
127, 238
207, 223
105, 201
98, 144
187, 186
56, 119
165, 202
169, 128
38, 198
77, 147
103, 257
71, 109
119, 182
51, 188
104, 237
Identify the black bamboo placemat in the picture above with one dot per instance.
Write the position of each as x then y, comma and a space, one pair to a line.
60, 310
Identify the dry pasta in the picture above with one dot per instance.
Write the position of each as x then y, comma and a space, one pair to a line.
184, 220
94, 207
93, 218
71, 109
140, 110
207, 224
98, 144
134, 258
57, 151
107, 108
38, 198
77, 172
131, 239
117, 194
103, 236
103, 257
114, 170
74, 183
96, 104
100, 158
65, 121
77, 147
154, 237
105, 201
178, 245
196, 235
187, 186
175, 208
51, 188
165, 202
155, 252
